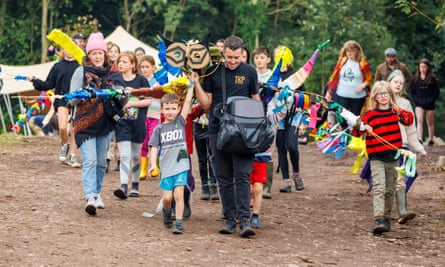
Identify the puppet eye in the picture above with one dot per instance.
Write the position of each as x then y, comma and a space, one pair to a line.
176, 53
198, 56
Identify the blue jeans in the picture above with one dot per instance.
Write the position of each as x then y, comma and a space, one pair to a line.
233, 174
94, 162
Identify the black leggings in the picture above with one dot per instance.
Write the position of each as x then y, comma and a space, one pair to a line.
354, 105
287, 140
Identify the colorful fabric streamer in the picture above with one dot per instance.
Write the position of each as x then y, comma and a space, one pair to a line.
299, 77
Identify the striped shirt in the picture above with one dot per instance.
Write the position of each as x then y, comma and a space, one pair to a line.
385, 124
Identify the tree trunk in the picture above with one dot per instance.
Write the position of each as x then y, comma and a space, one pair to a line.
44, 29
3, 16
127, 20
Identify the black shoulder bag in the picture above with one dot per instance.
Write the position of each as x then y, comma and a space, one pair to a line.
243, 125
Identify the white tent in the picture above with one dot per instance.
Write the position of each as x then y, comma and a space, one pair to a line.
128, 42
11, 86
119, 36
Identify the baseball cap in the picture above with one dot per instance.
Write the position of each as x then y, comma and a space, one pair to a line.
390, 52
78, 36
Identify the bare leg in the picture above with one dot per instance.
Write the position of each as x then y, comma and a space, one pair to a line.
430, 123
62, 117
258, 198
179, 200
419, 116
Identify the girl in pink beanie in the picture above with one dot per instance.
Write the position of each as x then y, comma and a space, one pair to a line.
96, 42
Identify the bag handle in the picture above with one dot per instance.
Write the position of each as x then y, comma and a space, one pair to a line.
223, 83
223, 86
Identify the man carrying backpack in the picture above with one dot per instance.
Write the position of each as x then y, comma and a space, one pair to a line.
232, 168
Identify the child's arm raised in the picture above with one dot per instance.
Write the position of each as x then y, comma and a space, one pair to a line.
188, 98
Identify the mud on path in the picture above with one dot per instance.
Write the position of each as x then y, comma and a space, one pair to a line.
43, 222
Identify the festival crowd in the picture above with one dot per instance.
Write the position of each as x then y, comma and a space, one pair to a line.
154, 116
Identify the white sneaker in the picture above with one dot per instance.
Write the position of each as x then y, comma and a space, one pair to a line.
99, 203
73, 162
64, 152
90, 207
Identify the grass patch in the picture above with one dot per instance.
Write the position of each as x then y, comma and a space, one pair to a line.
10, 139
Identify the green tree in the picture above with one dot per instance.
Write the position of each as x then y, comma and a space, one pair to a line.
352, 21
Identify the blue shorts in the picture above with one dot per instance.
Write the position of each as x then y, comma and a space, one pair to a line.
169, 183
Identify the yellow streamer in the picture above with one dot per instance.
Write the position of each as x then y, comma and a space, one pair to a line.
64, 41
359, 145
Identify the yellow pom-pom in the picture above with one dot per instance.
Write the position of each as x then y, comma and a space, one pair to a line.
155, 172
178, 86
286, 54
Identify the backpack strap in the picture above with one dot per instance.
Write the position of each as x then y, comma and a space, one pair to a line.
223, 85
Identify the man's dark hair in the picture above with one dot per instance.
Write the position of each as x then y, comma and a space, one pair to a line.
233, 42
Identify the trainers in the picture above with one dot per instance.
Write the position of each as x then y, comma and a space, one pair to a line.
285, 188
90, 208
255, 221
99, 203
64, 152
298, 182
228, 228
120, 193
73, 161
245, 228
167, 217
179, 228
379, 227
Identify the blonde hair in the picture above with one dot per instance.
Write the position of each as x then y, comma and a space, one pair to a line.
377, 88
351, 44
396, 73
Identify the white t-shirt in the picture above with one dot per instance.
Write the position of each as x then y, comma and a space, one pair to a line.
262, 78
350, 78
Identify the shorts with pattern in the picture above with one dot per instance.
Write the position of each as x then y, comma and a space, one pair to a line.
169, 183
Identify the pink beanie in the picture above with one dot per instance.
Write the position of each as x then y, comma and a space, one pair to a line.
96, 42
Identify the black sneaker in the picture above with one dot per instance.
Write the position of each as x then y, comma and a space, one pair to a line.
379, 227
245, 228
285, 188
228, 228
167, 217
179, 228
120, 193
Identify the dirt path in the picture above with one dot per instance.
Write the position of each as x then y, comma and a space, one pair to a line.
43, 222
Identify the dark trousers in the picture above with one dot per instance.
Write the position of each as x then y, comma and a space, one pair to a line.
204, 158
233, 174
286, 141
355, 105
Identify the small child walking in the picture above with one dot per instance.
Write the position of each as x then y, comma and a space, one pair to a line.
383, 139
169, 140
